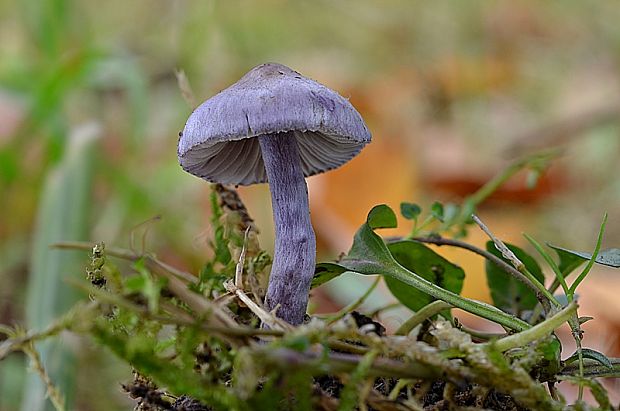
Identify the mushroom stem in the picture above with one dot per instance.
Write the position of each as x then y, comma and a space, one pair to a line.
295, 246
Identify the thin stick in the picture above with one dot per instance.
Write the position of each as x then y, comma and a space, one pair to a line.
261, 313
241, 262
125, 254
518, 264
440, 241
179, 288
231, 331
53, 392
340, 362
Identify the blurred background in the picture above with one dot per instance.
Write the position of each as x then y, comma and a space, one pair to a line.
453, 92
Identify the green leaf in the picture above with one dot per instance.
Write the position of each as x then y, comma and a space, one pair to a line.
568, 261
591, 354
369, 255
410, 211
381, 216
429, 265
437, 211
507, 292
596, 254
609, 257
325, 272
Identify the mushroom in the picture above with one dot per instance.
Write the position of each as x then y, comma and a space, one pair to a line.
276, 126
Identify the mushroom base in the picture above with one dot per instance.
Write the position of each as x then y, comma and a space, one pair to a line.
295, 247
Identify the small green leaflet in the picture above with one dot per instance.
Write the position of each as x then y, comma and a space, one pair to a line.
437, 210
410, 211
381, 216
366, 245
592, 355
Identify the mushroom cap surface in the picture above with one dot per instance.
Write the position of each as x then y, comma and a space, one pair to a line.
218, 144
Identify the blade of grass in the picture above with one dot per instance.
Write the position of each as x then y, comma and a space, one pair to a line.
354, 305
63, 215
558, 273
597, 249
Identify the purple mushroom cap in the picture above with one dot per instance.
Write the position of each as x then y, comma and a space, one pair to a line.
218, 144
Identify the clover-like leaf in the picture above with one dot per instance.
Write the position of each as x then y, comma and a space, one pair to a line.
381, 216
437, 211
410, 211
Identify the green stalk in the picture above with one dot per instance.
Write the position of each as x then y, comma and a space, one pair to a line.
416, 229
588, 267
538, 331
508, 268
575, 326
340, 314
558, 273
425, 312
478, 308
492, 185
